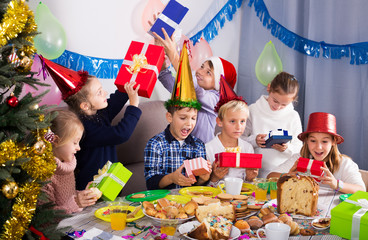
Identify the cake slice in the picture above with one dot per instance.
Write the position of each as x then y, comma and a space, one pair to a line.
215, 209
212, 227
297, 194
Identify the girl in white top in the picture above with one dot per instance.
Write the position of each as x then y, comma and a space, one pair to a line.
320, 143
272, 112
232, 117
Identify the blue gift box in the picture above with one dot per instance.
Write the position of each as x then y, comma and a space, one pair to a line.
277, 137
169, 19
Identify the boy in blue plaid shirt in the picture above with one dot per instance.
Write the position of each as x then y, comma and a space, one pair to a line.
165, 153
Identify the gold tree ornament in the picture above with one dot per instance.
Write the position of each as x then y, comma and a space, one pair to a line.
39, 147
10, 189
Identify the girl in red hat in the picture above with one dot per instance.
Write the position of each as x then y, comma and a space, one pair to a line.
206, 82
85, 96
320, 142
271, 112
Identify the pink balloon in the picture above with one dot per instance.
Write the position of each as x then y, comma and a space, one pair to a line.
152, 7
201, 52
53, 96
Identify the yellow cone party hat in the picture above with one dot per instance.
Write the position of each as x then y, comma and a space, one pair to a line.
183, 94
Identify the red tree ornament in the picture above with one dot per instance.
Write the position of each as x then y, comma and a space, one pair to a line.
12, 101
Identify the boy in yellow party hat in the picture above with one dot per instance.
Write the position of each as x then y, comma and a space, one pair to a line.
165, 153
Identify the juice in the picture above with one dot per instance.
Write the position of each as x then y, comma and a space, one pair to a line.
261, 194
118, 220
168, 230
273, 194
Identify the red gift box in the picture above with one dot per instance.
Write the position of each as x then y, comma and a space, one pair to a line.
239, 160
196, 167
142, 64
310, 167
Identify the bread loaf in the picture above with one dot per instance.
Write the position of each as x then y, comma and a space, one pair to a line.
297, 194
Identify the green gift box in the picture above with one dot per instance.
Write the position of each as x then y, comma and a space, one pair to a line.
342, 217
113, 180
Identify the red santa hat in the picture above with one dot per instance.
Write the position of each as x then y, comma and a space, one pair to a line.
227, 94
225, 68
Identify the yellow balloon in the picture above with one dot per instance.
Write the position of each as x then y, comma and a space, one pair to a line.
268, 64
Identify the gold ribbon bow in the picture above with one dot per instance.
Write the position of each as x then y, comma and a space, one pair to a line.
139, 62
233, 149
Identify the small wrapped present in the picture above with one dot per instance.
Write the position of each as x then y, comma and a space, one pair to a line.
279, 136
141, 64
111, 179
196, 167
239, 160
310, 167
169, 19
349, 219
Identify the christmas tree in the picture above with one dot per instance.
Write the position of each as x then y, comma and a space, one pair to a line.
26, 159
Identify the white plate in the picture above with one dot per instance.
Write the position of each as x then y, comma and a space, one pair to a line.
318, 228
158, 220
320, 213
189, 226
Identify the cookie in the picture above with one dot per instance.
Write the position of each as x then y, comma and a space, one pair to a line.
307, 232
225, 197
254, 207
240, 197
139, 195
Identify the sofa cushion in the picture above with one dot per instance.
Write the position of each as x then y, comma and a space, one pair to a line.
131, 153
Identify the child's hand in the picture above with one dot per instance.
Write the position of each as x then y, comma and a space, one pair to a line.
293, 170
179, 179
260, 140
205, 177
218, 172
85, 198
133, 94
170, 48
280, 147
251, 173
328, 178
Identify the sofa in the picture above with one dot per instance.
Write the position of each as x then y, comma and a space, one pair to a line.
131, 153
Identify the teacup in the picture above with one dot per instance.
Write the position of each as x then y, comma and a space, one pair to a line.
275, 231
232, 185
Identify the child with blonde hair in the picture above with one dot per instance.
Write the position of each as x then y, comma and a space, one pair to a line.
320, 141
206, 82
68, 131
85, 95
271, 112
232, 117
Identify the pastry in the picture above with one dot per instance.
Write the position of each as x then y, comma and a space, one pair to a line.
190, 208
285, 218
96, 193
242, 225
171, 212
163, 202
322, 223
201, 232
151, 212
297, 194
147, 205
294, 228
160, 215
255, 222
139, 195
307, 232
269, 218
181, 216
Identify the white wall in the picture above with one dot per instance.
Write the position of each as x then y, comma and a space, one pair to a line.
105, 29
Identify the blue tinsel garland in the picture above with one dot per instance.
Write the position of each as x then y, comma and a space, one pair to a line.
109, 68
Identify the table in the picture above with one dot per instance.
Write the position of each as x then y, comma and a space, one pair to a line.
86, 219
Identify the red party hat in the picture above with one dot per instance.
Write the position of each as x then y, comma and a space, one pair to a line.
68, 81
227, 94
